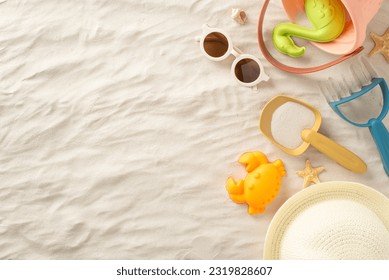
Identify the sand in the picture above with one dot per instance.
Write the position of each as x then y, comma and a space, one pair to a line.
288, 122
117, 135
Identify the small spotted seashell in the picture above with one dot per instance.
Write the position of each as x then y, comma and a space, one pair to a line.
239, 16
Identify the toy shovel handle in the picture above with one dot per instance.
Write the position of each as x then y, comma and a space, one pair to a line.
381, 137
333, 150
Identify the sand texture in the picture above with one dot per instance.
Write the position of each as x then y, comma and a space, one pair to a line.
117, 135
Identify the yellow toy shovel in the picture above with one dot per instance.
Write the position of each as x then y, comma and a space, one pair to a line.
333, 150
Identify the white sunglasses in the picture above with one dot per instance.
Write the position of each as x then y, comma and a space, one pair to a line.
246, 68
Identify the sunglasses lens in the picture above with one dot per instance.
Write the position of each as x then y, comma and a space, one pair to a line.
247, 70
215, 44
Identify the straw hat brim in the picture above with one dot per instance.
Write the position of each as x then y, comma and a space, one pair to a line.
368, 197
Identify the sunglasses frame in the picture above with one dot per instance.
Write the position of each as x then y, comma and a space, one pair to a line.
232, 50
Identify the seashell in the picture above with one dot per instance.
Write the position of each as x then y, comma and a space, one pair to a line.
239, 16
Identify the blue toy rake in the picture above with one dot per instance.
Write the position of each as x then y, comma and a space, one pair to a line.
339, 93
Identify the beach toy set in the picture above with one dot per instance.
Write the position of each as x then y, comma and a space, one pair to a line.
263, 180
338, 28
331, 220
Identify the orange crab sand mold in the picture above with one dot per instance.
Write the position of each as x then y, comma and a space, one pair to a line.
262, 182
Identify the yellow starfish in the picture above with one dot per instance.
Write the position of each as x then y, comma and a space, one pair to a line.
310, 174
381, 44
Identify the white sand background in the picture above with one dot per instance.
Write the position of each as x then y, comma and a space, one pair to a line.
117, 135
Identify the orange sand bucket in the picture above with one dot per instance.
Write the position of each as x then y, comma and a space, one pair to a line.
348, 44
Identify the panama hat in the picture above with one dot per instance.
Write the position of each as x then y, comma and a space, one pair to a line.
332, 220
